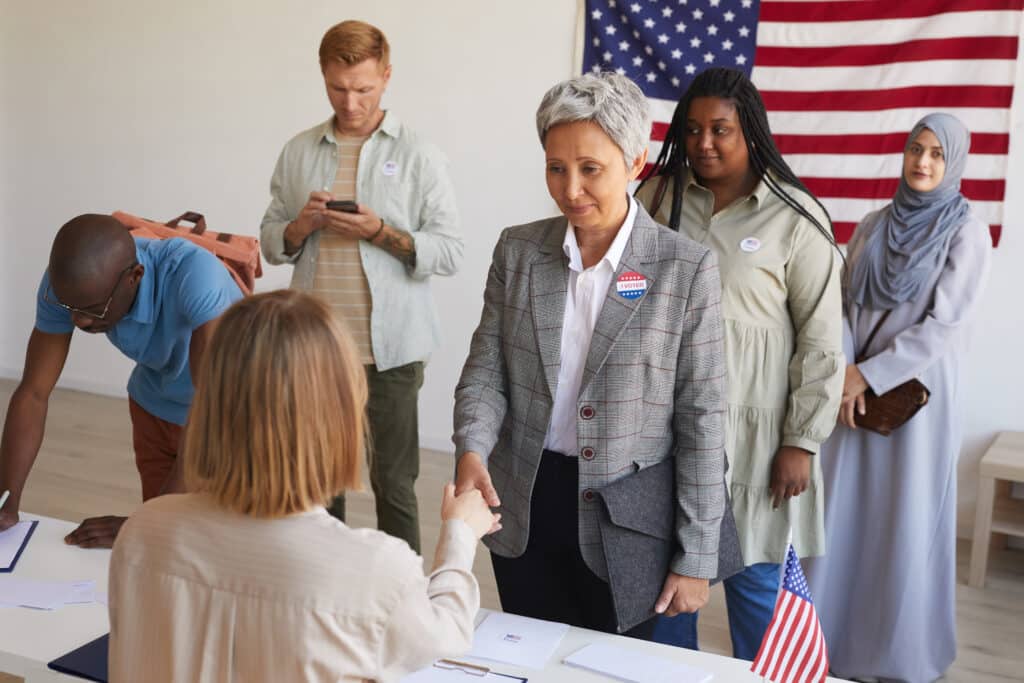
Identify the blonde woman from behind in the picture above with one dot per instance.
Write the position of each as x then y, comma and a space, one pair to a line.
247, 578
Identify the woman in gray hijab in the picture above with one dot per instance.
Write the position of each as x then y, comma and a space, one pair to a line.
885, 590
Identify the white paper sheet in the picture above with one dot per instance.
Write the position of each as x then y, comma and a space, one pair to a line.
44, 594
10, 543
441, 673
517, 640
82, 592
634, 667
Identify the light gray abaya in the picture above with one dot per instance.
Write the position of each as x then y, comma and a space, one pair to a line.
885, 590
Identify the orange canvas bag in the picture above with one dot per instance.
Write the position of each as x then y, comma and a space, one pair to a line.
239, 253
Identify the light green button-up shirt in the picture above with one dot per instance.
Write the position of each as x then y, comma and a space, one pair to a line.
405, 181
782, 315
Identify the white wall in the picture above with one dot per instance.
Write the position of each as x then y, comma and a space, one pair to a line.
157, 107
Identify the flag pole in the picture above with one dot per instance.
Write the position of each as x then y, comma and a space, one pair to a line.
581, 31
785, 556
782, 571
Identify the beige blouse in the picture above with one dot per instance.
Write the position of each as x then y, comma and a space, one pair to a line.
782, 313
198, 593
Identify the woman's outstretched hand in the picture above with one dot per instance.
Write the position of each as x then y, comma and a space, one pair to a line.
470, 507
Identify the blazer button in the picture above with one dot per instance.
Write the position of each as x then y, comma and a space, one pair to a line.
587, 453
588, 495
586, 412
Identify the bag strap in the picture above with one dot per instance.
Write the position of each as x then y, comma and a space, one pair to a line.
190, 217
871, 337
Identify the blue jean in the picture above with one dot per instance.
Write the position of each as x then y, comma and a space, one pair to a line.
750, 600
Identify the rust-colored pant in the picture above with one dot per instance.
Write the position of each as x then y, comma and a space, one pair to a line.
156, 444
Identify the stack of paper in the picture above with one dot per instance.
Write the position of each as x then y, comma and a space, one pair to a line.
633, 666
15, 592
517, 640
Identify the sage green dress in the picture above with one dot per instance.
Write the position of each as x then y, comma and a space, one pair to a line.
782, 315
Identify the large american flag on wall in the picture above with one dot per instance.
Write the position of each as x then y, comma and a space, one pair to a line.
844, 81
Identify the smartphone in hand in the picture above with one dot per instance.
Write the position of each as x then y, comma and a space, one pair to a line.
346, 205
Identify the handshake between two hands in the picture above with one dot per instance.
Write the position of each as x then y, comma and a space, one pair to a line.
472, 496
470, 507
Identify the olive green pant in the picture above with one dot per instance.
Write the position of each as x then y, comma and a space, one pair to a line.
393, 454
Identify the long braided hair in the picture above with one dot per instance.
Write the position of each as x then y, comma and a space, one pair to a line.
733, 85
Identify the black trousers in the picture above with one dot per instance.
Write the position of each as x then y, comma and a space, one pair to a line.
551, 580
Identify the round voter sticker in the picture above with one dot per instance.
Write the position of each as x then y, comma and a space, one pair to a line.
390, 168
750, 244
631, 285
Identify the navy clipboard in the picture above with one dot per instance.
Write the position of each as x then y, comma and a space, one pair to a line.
24, 542
88, 662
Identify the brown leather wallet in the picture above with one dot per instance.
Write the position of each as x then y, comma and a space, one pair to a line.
886, 413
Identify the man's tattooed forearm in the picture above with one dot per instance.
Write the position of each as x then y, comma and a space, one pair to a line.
401, 245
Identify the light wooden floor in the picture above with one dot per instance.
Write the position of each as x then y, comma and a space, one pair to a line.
86, 468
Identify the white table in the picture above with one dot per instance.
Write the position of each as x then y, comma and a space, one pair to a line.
725, 669
30, 638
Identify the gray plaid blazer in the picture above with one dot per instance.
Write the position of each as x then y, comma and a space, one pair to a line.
653, 384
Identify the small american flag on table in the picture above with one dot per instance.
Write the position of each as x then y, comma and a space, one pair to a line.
844, 81
793, 649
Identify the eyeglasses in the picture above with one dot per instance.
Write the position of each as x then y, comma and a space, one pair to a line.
51, 298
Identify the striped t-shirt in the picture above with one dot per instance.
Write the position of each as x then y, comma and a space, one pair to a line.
339, 278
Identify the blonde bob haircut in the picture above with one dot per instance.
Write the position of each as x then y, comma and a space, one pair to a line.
277, 423
352, 42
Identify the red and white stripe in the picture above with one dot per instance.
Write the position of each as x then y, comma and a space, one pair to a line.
793, 649
844, 81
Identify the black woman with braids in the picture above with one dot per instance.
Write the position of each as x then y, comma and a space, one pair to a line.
720, 180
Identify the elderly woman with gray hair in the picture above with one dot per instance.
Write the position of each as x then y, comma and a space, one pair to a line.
598, 358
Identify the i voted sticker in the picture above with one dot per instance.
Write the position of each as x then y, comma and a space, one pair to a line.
631, 285
390, 168
750, 244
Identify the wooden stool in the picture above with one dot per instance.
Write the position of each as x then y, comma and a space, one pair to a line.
997, 513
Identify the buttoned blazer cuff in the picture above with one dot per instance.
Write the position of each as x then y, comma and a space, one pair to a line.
465, 445
695, 566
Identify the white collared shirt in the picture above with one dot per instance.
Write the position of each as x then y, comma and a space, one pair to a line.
584, 299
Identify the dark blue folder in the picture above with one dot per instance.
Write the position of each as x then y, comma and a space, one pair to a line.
88, 662
24, 542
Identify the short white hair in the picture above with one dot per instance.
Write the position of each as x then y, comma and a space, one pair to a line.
613, 102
